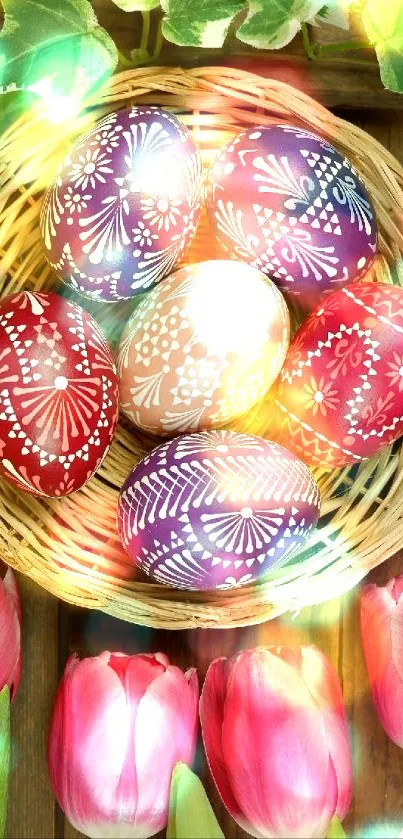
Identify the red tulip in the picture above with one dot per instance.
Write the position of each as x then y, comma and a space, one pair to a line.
10, 633
120, 725
382, 639
276, 739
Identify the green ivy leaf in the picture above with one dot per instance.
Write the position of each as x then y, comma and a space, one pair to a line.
4, 754
190, 812
136, 5
199, 23
383, 24
54, 48
13, 105
274, 23
335, 13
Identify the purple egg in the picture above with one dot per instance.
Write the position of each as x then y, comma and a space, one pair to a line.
124, 205
216, 510
290, 204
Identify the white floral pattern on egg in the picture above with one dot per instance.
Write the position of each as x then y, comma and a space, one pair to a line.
125, 204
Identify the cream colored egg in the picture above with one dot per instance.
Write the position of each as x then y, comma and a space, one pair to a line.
202, 348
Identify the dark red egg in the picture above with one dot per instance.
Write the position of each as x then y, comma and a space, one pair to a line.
58, 394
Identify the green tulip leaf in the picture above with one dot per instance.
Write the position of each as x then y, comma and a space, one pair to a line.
54, 48
271, 24
383, 24
199, 23
4, 754
190, 812
335, 830
136, 5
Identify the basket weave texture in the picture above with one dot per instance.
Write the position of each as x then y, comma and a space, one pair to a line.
70, 546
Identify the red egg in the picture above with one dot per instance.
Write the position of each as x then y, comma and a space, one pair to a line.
341, 387
58, 394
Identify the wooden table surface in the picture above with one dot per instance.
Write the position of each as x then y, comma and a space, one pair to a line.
52, 630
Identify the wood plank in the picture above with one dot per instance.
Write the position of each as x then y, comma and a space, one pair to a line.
377, 763
31, 810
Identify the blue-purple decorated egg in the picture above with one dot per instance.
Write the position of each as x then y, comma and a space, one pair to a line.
124, 205
216, 510
290, 204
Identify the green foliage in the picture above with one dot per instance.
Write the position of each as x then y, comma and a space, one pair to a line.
54, 47
383, 23
336, 829
190, 812
274, 23
269, 23
202, 23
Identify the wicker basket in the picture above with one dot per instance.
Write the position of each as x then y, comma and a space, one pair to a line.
75, 552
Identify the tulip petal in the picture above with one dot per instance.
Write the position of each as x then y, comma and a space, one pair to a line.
212, 704
382, 639
10, 633
166, 733
10, 584
136, 674
275, 749
395, 587
323, 684
87, 743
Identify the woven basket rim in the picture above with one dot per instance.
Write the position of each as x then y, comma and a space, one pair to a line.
52, 540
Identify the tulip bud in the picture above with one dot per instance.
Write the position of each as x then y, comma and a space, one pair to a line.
120, 725
10, 673
382, 640
276, 740
10, 633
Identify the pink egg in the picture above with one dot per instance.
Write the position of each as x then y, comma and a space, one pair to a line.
289, 203
58, 394
202, 348
341, 387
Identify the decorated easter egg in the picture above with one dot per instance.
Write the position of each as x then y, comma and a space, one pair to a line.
202, 348
216, 509
290, 204
124, 205
341, 388
58, 394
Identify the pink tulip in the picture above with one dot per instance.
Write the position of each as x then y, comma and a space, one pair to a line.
382, 639
276, 739
119, 726
10, 633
